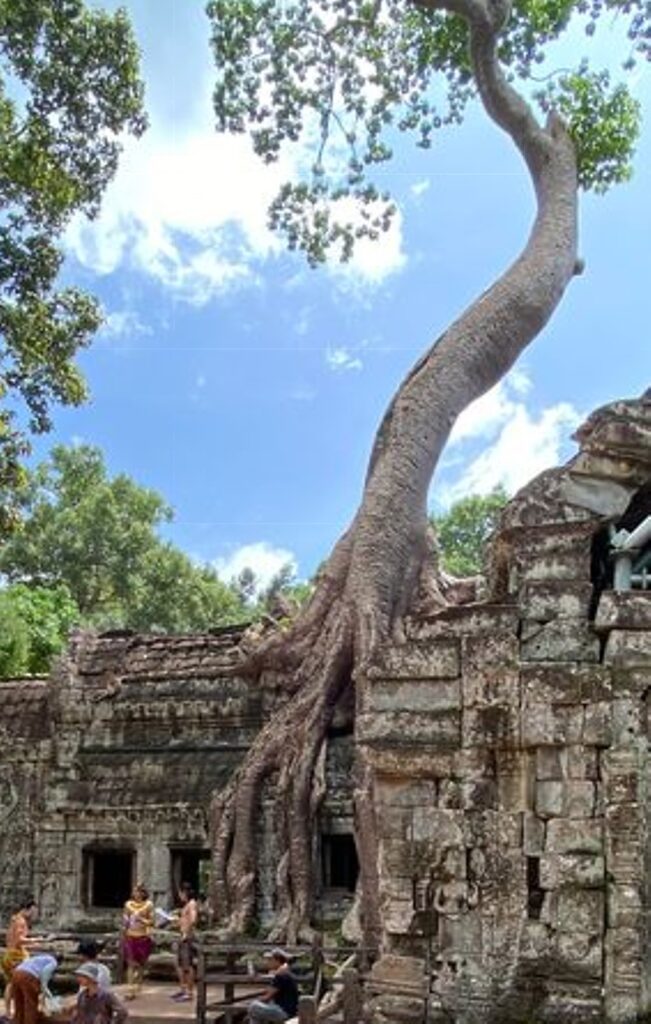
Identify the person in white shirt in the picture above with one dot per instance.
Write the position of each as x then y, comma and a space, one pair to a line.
31, 980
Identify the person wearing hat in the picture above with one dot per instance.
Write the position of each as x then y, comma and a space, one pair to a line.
280, 1001
96, 1005
30, 981
88, 950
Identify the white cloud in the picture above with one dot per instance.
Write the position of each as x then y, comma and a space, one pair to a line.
420, 187
123, 323
339, 359
264, 559
525, 445
189, 208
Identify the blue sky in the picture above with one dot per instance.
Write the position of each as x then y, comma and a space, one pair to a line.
247, 388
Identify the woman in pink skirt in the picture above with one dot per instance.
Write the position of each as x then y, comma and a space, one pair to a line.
138, 921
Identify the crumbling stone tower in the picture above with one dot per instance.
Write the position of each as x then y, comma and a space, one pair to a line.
509, 740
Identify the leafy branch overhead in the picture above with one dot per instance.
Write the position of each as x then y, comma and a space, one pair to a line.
346, 76
69, 88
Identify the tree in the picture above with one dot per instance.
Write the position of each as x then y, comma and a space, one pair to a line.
69, 89
355, 73
34, 627
463, 530
98, 536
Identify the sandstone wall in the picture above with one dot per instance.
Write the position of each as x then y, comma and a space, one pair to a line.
509, 741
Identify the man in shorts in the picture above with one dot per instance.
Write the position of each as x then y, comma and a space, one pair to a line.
186, 953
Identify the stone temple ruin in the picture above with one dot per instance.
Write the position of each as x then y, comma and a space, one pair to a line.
508, 738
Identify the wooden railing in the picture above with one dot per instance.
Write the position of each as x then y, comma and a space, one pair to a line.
235, 968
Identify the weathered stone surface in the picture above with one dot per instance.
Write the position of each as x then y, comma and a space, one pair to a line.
626, 907
629, 609
404, 728
422, 695
551, 725
577, 870
628, 648
543, 600
576, 836
573, 683
467, 620
424, 659
563, 640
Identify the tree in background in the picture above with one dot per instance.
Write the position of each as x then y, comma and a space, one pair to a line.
69, 89
462, 531
34, 627
352, 74
98, 537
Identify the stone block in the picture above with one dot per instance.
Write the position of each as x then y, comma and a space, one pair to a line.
598, 724
440, 825
627, 648
551, 763
494, 725
550, 799
493, 829
562, 640
533, 834
405, 794
624, 610
543, 600
625, 907
466, 620
583, 762
551, 725
575, 836
425, 659
578, 870
580, 956
579, 911
407, 728
558, 683
422, 695
414, 763
605, 468
515, 793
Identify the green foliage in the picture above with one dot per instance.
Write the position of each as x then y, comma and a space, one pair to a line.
98, 536
69, 88
463, 531
34, 627
348, 75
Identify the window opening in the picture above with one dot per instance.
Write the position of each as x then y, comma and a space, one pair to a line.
188, 865
340, 866
536, 895
108, 877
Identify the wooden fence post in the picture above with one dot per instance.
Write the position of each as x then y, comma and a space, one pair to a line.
307, 1010
352, 1001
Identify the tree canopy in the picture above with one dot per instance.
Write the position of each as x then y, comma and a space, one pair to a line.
91, 542
349, 75
462, 531
69, 89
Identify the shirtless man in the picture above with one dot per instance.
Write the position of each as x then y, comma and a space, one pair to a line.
187, 950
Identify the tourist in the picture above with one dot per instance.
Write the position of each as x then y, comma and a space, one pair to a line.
280, 1001
30, 982
96, 1004
138, 921
17, 942
88, 950
186, 953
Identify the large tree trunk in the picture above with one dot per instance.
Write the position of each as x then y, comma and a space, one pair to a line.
384, 562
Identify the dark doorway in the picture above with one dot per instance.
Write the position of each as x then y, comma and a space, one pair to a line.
186, 866
340, 866
108, 877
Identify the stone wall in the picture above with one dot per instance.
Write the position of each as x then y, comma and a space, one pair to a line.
121, 751
509, 742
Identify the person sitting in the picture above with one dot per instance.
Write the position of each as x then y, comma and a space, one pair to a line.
280, 1001
96, 1005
